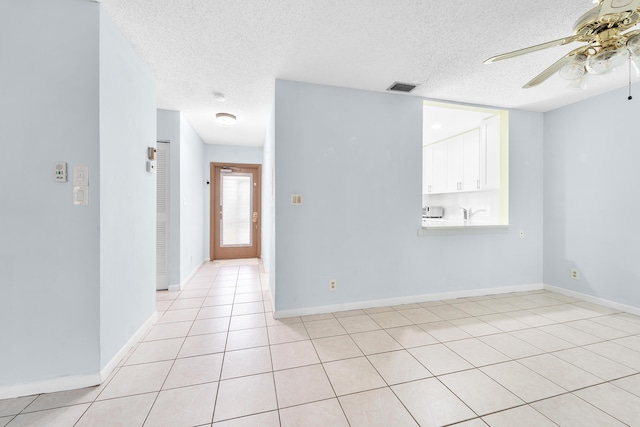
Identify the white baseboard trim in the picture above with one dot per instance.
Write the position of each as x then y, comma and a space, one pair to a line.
594, 299
50, 386
137, 336
72, 382
180, 286
279, 314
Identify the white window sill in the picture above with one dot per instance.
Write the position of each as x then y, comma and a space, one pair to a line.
443, 227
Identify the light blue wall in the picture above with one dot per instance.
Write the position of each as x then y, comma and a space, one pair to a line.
232, 154
356, 158
127, 191
168, 130
49, 249
214, 153
72, 90
191, 202
591, 200
268, 204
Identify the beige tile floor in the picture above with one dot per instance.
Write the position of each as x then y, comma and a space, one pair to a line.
216, 357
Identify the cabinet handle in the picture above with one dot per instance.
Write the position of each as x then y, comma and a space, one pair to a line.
478, 184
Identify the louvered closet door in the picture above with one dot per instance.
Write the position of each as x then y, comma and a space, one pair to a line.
162, 216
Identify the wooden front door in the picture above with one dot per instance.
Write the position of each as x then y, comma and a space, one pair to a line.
235, 211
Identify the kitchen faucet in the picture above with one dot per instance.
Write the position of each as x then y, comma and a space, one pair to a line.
467, 213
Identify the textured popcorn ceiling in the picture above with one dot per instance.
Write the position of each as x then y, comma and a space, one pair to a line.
238, 47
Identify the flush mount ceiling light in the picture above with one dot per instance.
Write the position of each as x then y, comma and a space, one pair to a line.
218, 96
607, 47
225, 119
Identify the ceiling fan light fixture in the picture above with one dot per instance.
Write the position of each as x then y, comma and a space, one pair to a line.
225, 119
580, 83
574, 69
607, 60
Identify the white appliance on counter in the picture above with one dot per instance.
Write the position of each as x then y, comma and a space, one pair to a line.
433, 212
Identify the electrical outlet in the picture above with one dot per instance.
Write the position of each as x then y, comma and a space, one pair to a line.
521, 233
332, 284
575, 275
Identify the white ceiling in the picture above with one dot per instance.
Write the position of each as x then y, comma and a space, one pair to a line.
443, 122
238, 47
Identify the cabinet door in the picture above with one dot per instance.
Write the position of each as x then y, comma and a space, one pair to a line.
490, 154
427, 169
455, 150
439, 183
471, 161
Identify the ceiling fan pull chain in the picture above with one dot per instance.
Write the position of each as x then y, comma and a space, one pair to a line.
630, 97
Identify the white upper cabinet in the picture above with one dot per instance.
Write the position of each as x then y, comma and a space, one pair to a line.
490, 153
427, 169
467, 162
452, 165
471, 161
439, 181
455, 167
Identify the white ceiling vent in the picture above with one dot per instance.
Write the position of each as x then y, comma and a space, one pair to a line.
402, 87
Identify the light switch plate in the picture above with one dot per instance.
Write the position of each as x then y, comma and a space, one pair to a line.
80, 195
81, 176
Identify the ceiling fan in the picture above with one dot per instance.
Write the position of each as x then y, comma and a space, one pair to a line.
607, 46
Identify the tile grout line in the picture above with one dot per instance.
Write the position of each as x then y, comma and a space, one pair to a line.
324, 369
224, 352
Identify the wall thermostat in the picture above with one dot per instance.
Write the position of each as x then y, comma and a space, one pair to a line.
60, 171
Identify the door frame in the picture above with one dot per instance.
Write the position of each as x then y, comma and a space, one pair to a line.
214, 197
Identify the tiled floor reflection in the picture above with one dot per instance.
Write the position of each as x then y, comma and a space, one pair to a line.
216, 357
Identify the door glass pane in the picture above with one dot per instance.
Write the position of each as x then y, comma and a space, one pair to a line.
235, 227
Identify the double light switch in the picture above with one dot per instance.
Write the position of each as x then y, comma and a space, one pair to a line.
80, 185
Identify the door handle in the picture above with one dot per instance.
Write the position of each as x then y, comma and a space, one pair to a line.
255, 217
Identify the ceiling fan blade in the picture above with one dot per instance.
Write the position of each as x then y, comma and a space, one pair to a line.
554, 43
553, 68
609, 7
